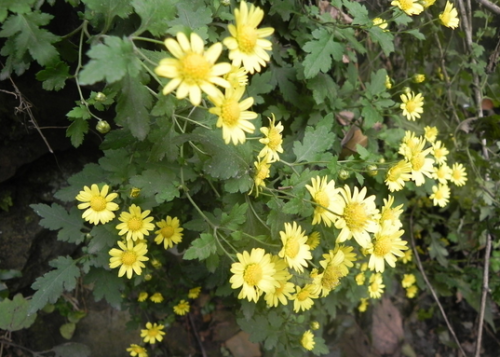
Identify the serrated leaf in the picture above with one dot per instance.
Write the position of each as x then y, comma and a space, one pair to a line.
56, 217
416, 33
51, 286
283, 8
260, 84
67, 330
257, 327
54, 76
236, 217
316, 141
160, 182
321, 51
76, 131
110, 61
285, 77
201, 248
322, 87
110, 8
16, 6
14, 314
358, 11
191, 16
377, 82
71, 349
116, 163
91, 173
107, 285
79, 112
384, 39
370, 114
155, 15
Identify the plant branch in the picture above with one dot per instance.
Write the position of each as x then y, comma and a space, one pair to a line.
490, 6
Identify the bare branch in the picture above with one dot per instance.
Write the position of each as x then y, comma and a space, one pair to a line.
490, 6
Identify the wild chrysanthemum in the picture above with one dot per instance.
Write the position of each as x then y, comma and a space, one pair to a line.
411, 7
262, 172
363, 304
391, 214
247, 44
237, 77
182, 308
307, 340
430, 133
129, 258
380, 23
387, 246
156, 298
234, 118
142, 296
421, 166
449, 16
325, 195
272, 140
407, 257
439, 151
411, 292
295, 251
137, 351
194, 292
458, 174
440, 195
428, 3
98, 204
193, 69
376, 287
349, 255
411, 145
413, 105
360, 278
313, 240
303, 298
442, 173
408, 280
170, 232
418, 77
333, 270
282, 294
152, 333
388, 82
398, 175
135, 223
254, 274
358, 216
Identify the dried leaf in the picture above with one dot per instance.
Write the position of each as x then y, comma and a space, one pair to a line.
387, 328
351, 139
240, 346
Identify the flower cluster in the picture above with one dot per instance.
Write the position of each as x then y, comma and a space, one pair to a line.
448, 18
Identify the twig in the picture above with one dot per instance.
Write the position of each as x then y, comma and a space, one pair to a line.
490, 6
433, 292
484, 294
203, 352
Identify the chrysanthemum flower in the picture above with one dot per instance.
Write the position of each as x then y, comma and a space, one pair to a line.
430, 133
233, 114
182, 308
334, 269
193, 69
135, 223
411, 7
152, 333
262, 172
398, 175
237, 77
458, 174
449, 16
142, 296
254, 273
303, 298
156, 298
194, 292
325, 195
440, 195
388, 82
295, 251
439, 151
411, 145
360, 278
272, 140
421, 166
137, 351
380, 23
313, 240
307, 340
98, 204
412, 106
282, 294
170, 232
358, 216
349, 255
408, 280
428, 3
130, 258
407, 257
247, 44
363, 304
376, 287
387, 245
411, 292
442, 173
391, 214
418, 77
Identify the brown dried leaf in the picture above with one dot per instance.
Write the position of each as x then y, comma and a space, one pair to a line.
352, 138
387, 328
240, 346
345, 117
355, 343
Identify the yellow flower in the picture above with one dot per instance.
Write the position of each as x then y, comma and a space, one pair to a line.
411, 292
315, 325
449, 16
193, 69
411, 145
170, 232
412, 106
237, 77
156, 298
313, 240
142, 296
397, 175
333, 270
247, 44
439, 151
387, 245
136, 350
421, 166
233, 114
98, 204
325, 195
282, 294
349, 255
152, 333
358, 216
182, 308
135, 192
295, 251
428, 3
262, 171
458, 174
272, 140
135, 223
194, 292
156, 263
408, 280
418, 78
382, 24
376, 287
411, 7
390, 214
254, 274
442, 173
388, 82
130, 258
440, 195
360, 278
363, 304
307, 340
431, 133
407, 257
303, 298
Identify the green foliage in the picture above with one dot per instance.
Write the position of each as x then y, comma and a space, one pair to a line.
55, 218
321, 51
71, 349
14, 314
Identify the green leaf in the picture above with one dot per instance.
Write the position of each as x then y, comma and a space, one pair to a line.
191, 17
14, 314
384, 39
148, 181
322, 87
110, 61
51, 286
201, 248
236, 217
316, 141
283, 8
321, 51
358, 11
370, 114
155, 15
117, 163
76, 131
16, 6
110, 8
377, 82
416, 33
91, 173
320, 348
257, 327
107, 285
285, 77
260, 84
79, 112
54, 76
71, 349
56, 217
67, 330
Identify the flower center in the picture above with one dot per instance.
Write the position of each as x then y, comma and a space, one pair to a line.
382, 246
374, 287
457, 175
394, 174
134, 224
406, 4
230, 113
417, 162
292, 248
195, 68
247, 38
98, 203
438, 194
274, 139
167, 231
252, 274
411, 106
322, 199
355, 216
129, 258
153, 333
304, 294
